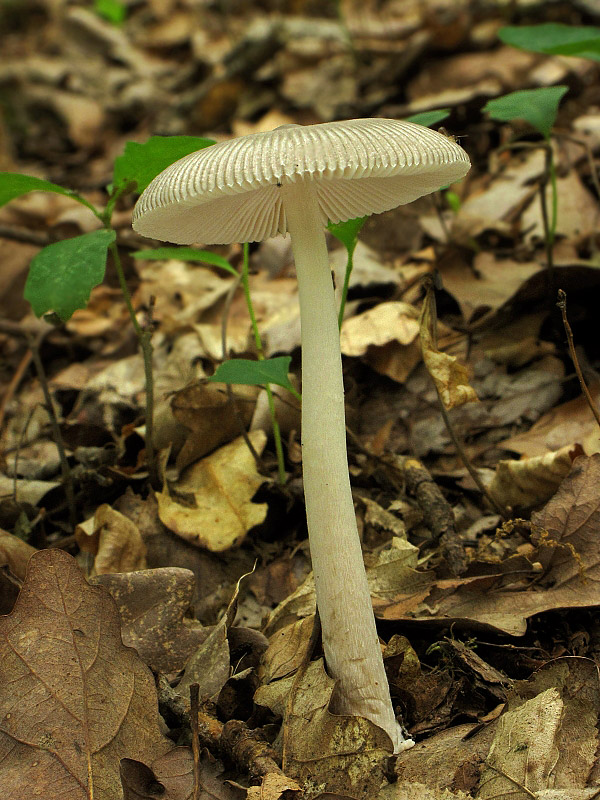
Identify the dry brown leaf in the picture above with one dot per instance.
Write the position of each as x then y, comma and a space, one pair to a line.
565, 424
576, 679
153, 605
272, 787
171, 777
506, 193
297, 605
217, 492
32, 492
209, 666
386, 322
578, 211
486, 284
205, 410
287, 650
394, 360
325, 751
183, 290
215, 576
525, 748
15, 554
74, 700
403, 790
367, 269
531, 481
114, 540
450, 377
569, 556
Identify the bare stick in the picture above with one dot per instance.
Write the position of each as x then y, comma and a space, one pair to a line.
64, 464
194, 708
562, 304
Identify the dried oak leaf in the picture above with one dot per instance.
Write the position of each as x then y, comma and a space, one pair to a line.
74, 700
152, 604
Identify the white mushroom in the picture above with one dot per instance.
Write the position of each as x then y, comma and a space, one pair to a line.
295, 179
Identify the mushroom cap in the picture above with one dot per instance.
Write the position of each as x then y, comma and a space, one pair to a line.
229, 192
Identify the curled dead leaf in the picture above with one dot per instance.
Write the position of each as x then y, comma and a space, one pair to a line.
114, 540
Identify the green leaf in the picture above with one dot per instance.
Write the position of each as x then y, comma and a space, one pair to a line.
347, 232
538, 107
14, 184
112, 10
255, 373
186, 254
62, 275
553, 38
429, 118
141, 163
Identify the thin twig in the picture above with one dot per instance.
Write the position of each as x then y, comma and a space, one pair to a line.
460, 450
144, 336
466, 462
14, 385
64, 464
194, 709
18, 451
562, 304
24, 236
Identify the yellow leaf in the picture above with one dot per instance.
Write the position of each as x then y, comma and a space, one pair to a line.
210, 506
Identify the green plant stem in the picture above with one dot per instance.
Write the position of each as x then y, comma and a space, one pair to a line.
145, 341
554, 187
261, 357
548, 221
349, 267
230, 394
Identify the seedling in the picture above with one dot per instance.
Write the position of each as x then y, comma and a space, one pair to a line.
62, 275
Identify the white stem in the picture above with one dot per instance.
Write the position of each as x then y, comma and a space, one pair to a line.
350, 641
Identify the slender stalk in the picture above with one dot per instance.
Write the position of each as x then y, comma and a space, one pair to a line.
229, 388
350, 640
261, 356
145, 340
